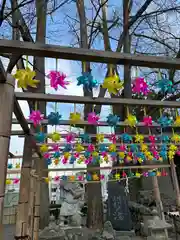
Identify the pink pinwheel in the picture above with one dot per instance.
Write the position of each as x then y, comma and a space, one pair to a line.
104, 154
55, 148
80, 178
122, 148
147, 120
57, 79
130, 154
88, 160
102, 177
153, 147
64, 160
152, 139
113, 138
46, 155
70, 137
91, 148
93, 118
76, 155
155, 154
36, 117
140, 86
178, 152
16, 181
145, 174
56, 178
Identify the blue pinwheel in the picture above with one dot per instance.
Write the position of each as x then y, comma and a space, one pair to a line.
85, 138
133, 148
56, 155
165, 121
165, 86
49, 161
72, 159
10, 166
87, 81
126, 138
67, 148
54, 118
87, 154
165, 139
112, 120
40, 137
102, 147
163, 154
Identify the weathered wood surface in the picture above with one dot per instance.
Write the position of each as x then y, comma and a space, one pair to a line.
89, 100
2, 73
53, 51
6, 109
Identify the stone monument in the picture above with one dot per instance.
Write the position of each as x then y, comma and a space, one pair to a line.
70, 209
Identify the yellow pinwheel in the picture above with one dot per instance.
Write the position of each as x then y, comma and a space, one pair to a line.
112, 148
144, 147
95, 154
175, 138
177, 121
44, 148
95, 177
55, 137
158, 173
18, 165
79, 148
139, 138
66, 155
113, 84
56, 161
25, 78
8, 181
121, 155
173, 148
131, 120
75, 117
138, 174
171, 155
72, 178
117, 176
99, 137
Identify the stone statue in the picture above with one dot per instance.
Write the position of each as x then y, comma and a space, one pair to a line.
70, 209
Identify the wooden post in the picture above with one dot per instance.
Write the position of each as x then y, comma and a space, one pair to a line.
24, 194
37, 207
31, 204
6, 109
175, 183
157, 197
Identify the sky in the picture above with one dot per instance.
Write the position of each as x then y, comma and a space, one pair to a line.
70, 68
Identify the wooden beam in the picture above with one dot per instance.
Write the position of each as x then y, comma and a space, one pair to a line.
99, 101
92, 169
106, 135
80, 54
2, 73
22, 121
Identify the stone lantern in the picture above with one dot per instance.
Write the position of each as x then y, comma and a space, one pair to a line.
157, 228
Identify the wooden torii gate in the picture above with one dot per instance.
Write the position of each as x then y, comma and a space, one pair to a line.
9, 99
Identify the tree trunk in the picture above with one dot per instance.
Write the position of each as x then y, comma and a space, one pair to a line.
94, 195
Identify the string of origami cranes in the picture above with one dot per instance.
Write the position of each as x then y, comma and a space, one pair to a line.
94, 177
